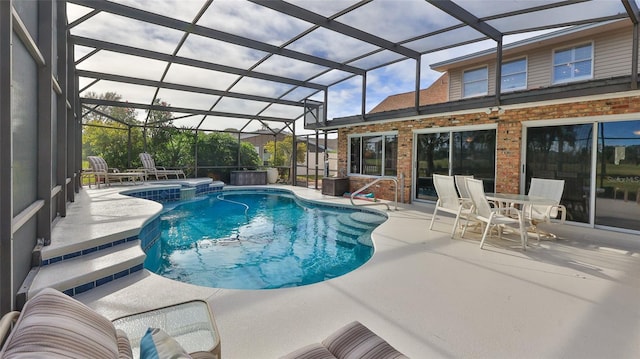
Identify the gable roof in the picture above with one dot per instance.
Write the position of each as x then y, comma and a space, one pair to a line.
438, 92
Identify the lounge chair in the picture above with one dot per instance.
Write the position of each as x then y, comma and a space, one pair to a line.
353, 341
54, 325
547, 188
448, 200
103, 172
151, 169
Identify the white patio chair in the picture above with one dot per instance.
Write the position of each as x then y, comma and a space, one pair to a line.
448, 200
500, 216
461, 185
547, 188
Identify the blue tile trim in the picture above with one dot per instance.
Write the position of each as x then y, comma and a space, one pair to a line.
105, 246
150, 233
121, 274
83, 288
87, 286
86, 251
104, 280
90, 250
71, 255
159, 194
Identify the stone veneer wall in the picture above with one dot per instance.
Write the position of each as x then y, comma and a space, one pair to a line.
509, 138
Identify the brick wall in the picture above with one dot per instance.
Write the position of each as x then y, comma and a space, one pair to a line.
508, 145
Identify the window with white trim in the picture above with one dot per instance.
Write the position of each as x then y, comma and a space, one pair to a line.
375, 155
573, 64
514, 75
475, 82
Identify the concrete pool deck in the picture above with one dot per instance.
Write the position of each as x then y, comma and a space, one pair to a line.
428, 295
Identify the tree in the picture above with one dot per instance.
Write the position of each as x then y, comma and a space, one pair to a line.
221, 150
282, 151
110, 132
169, 145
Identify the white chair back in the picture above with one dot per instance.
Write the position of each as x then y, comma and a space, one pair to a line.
477, 195
446, 189
547, 188
461, 184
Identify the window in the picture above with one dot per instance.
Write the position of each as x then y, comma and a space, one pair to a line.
475, 82
374, 155
514, 75
573, 64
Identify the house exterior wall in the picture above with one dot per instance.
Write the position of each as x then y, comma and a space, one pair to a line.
508, 137
612, 56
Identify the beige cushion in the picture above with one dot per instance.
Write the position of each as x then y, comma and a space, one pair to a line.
312, 351
124, 345
203, 355
355, 341
54, 325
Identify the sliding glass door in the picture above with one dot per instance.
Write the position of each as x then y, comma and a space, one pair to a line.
606, 182
563, 152
467, 152
618, 175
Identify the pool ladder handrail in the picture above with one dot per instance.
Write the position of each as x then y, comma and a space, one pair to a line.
246, 206
382, 178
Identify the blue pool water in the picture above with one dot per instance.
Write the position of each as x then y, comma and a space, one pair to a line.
261, 240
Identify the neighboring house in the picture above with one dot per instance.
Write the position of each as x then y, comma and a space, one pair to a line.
259, 139
325, 156
438, 92
569, 108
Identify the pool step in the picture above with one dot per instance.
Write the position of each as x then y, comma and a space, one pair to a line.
350, 240
368, 218
77, 275
348, 231
352, 223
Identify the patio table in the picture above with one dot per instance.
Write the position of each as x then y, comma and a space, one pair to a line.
519, 199
190, 323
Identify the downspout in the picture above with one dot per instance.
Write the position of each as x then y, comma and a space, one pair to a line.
634, 58
499, 72
417, 97
364, 95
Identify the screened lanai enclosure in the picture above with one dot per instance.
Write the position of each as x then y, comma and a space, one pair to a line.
158, 71
266, 69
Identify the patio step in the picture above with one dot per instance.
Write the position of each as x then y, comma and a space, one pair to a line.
77, 275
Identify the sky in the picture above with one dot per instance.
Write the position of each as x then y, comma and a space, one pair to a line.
394, 20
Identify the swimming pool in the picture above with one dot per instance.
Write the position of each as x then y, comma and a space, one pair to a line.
261, 239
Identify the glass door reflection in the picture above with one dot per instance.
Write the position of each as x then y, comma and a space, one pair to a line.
432, 157
618, 175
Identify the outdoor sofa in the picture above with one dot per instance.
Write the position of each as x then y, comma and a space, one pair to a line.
54, 325
353, 341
